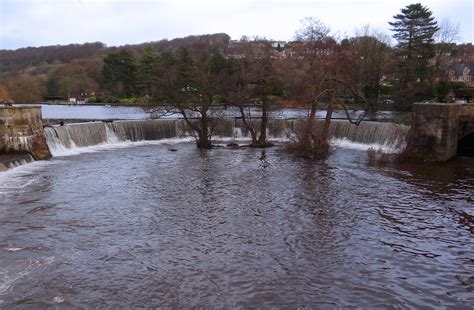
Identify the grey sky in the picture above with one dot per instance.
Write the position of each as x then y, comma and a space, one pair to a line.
118, 22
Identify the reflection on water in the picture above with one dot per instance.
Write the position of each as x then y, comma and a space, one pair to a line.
99, 112
146, 227
93, 112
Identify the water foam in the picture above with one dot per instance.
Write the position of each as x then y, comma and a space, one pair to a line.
72, 151
92, 137
9, 276
18, 178
348, 144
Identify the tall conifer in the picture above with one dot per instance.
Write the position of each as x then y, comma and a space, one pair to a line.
414, 29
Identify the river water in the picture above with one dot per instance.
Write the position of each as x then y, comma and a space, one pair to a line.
135, 225
100, 112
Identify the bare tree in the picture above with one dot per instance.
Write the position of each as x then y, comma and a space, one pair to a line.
313, 53
189, 83
255, 85
373, 59
26, 88
445, 40
328, 67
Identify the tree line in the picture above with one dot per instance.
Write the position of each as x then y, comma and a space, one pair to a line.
317, 70
405, 73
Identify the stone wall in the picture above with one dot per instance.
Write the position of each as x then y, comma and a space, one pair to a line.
436, 129
14, 160
21, 131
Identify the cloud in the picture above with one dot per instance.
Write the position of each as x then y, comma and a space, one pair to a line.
118, 22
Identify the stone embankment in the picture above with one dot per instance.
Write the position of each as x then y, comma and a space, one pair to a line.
436, 129
21, 132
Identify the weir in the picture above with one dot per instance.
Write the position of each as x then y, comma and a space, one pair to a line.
63, 138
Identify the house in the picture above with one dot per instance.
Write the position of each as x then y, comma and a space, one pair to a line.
462, 73
278, 44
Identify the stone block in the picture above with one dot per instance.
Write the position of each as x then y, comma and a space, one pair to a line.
21, 130
435, 130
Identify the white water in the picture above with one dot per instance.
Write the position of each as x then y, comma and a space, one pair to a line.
348, 144
21, 269
16, 179
61, 151
93, 137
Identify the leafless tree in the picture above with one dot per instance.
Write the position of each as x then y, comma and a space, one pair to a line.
445, 40
255, 86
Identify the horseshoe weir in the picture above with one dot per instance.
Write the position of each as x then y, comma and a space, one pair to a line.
438, 133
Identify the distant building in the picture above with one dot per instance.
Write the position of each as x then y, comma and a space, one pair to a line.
278, 44
462, 53
462, 73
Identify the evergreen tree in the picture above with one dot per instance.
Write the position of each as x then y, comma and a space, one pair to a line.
185, 68
414, 29
145, 71
118, 73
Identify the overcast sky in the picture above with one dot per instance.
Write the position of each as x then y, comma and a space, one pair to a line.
118, 22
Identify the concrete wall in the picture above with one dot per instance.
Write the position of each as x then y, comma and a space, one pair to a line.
21, 131
436, 129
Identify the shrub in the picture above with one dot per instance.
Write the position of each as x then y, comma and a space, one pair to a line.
162, 99
111, 99
94, 100
217, 99
128, 101
309, 144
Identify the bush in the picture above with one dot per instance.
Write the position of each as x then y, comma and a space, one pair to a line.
217, 99
162, 99
129, 101
144, 100
111, 99
314, 146
417, 93
94, 100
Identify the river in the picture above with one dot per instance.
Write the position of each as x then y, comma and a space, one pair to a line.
100, 112
134, 225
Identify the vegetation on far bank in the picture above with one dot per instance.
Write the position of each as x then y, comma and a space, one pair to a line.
315, 71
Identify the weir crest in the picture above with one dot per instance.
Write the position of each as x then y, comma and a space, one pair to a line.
62, 139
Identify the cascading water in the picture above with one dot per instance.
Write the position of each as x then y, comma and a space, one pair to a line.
62, 139
387, 136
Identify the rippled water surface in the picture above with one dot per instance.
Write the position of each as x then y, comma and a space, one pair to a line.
145, 227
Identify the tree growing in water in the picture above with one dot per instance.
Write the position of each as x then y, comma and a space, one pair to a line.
190, 82
326, 68
314, 60
254, 84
